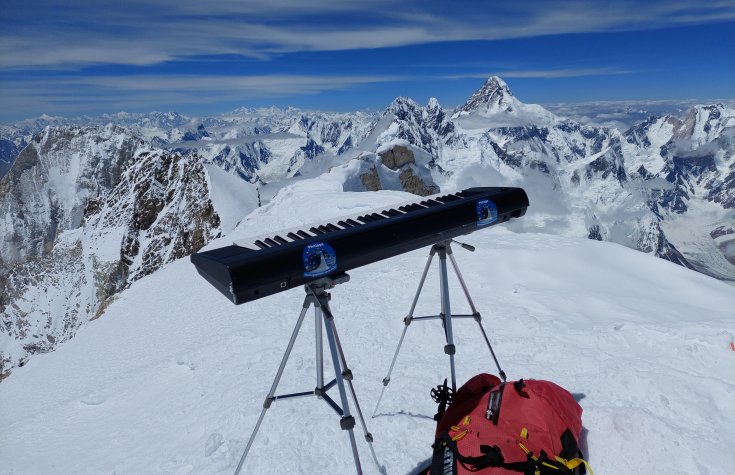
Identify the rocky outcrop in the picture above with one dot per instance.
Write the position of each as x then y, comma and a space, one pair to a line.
157, 209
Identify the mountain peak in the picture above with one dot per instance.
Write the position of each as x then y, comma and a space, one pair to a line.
494, 94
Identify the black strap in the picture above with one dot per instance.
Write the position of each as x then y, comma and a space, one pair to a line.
491, 457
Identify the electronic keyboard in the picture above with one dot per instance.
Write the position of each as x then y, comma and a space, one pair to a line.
254, 268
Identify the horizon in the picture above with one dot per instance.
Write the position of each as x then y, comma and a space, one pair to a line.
72, 60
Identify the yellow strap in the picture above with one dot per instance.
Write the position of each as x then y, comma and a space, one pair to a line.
459, 436
524, 433
466, 421
455, 428
574, 463
549, 465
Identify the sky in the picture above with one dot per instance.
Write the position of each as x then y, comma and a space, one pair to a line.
87, 57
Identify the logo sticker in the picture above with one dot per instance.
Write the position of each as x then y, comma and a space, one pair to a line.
319, 259
487, 213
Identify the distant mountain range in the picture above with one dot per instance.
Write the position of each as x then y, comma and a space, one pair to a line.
91, 205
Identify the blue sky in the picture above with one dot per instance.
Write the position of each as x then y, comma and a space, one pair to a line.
79, 57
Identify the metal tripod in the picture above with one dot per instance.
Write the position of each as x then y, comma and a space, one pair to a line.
317, 295
444, 249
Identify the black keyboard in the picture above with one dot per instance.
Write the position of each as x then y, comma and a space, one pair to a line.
257, 267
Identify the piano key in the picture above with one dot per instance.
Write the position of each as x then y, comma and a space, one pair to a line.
316, 231
294, 237
323, 228
270, 242
345, 224
391, 212
332, 227
352, 222
261, 244
280, 240
303, 234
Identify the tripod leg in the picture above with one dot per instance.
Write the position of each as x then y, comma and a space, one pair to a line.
475, 313
347, 422
272, 392
319, 348
447, 311
348, 376
407, 321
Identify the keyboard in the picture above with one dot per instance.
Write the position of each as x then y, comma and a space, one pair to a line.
257, 267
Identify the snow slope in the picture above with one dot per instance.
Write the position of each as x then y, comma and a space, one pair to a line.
172, 377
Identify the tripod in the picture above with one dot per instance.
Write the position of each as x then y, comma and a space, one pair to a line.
444, 249
317, 295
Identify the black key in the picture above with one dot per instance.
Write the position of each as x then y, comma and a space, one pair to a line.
366, 219
323, 229
261, 244
294, 237
303, 234
316, 231
332, 227
448, 198
429, 203
353, 222
345, 224
392, 212
280, 240
270, 242
377, 217
411, 207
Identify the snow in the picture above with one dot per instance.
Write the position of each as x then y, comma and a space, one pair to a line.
171, 378
231, 196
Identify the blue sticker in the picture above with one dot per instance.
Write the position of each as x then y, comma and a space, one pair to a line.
487, 213
319, 259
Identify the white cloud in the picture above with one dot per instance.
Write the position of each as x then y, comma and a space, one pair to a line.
141, 33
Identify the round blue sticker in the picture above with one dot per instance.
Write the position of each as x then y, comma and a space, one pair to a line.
487, 213
319, 259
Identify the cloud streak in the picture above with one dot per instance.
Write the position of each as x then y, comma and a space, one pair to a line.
80, 33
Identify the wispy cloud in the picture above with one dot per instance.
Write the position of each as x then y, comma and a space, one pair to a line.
110, 93
81, 32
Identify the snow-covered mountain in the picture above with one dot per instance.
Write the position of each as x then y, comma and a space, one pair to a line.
587, 180
89, 210
86, 197
172, 377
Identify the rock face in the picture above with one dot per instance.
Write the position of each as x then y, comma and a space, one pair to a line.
394, 167
95, 223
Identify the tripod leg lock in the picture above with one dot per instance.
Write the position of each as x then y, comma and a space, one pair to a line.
449, 349
407, 320
369, 438
347, 374
386, 380
347, 423
477, 317
268, 401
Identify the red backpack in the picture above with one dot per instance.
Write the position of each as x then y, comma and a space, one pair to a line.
497, 428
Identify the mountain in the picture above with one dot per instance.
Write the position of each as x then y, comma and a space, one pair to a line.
88, 211
632, 188
266, 144
172, 377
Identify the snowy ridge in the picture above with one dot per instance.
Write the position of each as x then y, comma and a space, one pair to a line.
172, 376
